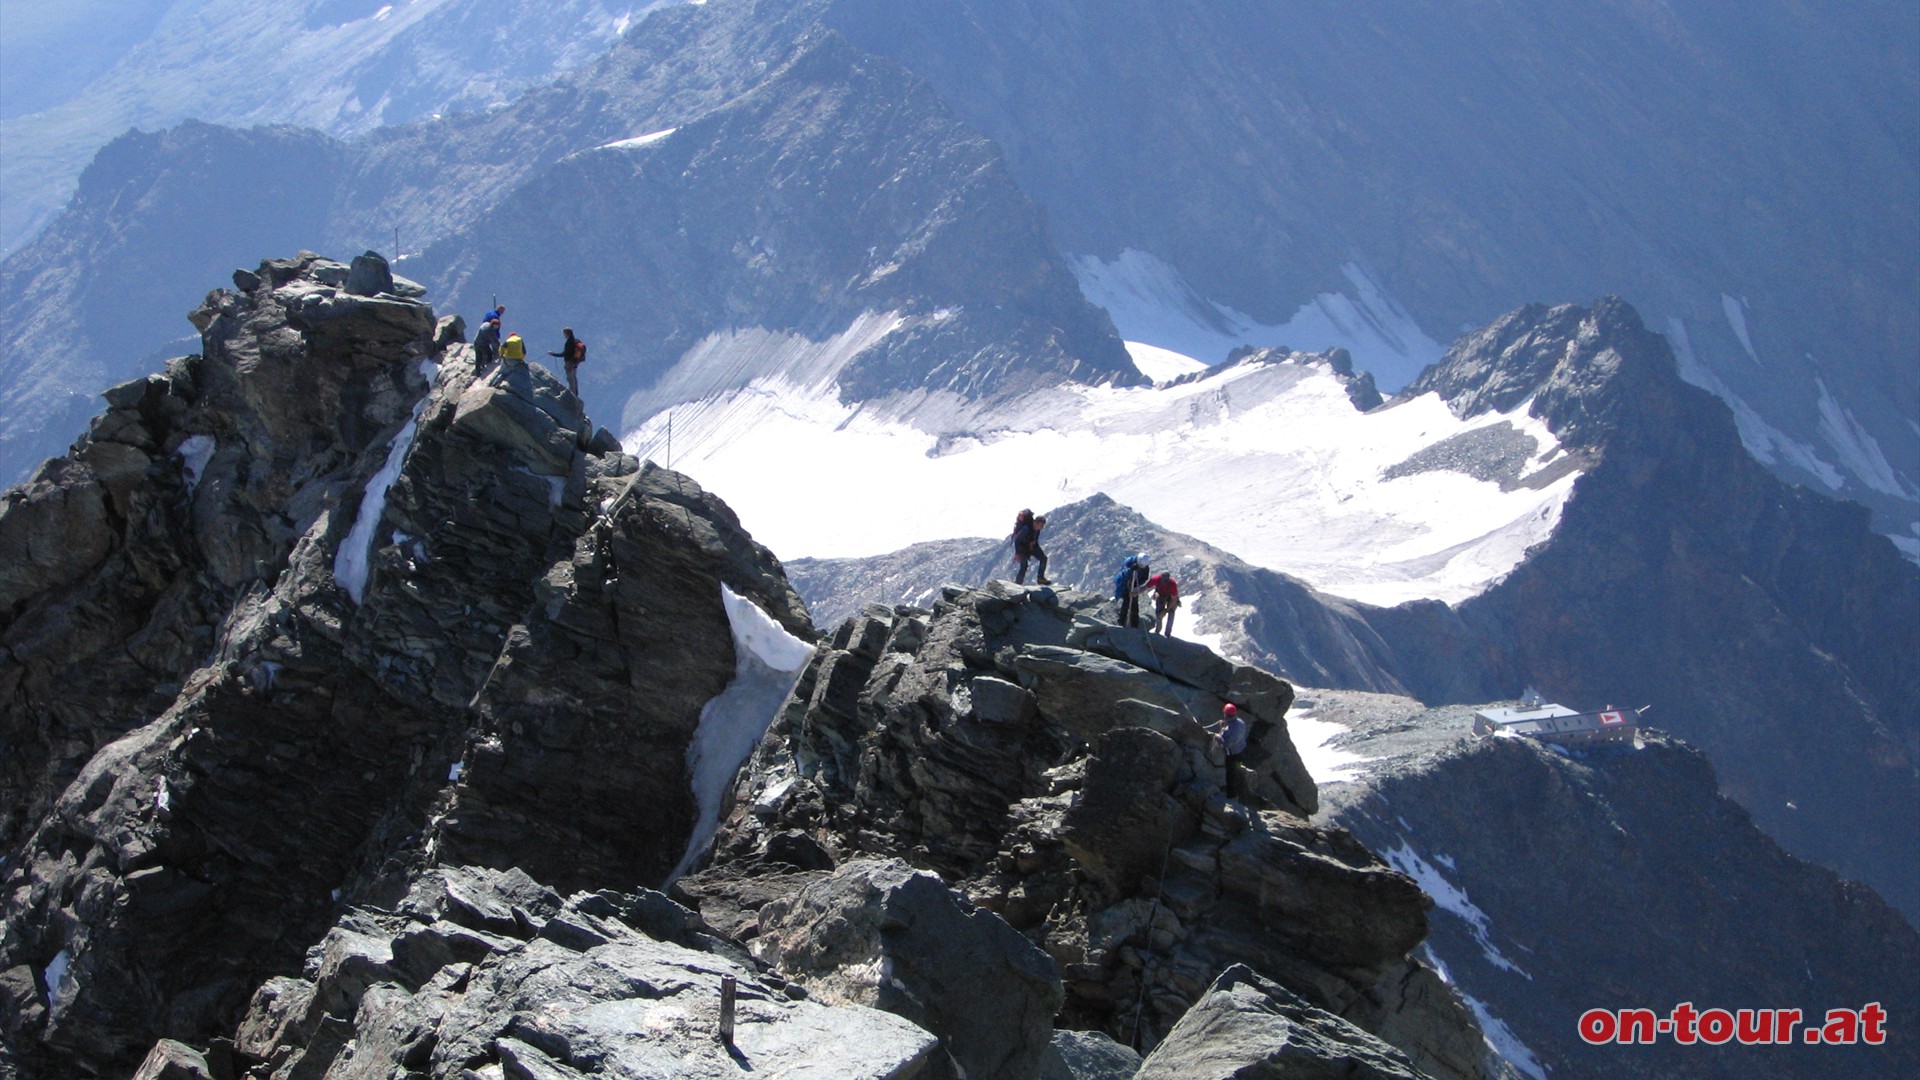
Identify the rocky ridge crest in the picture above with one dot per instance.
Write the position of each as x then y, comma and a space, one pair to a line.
351, 695
1052, 768
225, 718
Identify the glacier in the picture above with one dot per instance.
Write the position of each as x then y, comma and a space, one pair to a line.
1268, 460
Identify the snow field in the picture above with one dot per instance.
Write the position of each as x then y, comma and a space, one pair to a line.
1268, 461
1312, 739
1152, 304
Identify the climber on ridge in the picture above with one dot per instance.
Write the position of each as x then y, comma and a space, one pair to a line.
486, 345
1230, 733
1026, 546
1127, 585
1166, 597
573, 352
514, 350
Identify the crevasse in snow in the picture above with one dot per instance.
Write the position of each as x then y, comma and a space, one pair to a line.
767, 662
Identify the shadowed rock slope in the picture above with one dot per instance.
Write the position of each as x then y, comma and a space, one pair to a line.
1614, 879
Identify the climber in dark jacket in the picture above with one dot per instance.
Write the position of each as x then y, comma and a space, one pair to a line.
1026, 546
573, 352
1127, 586
486, 345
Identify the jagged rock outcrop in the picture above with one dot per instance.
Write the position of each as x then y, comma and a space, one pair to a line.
190, 490
1247, 1026
1050, 767
351, 615
882, 934
472, 971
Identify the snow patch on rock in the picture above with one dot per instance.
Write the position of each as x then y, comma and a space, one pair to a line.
767, 663
1326, 763
1858, 451
194, 452
351, 561
56, 974
1769, 445
1736, 311
638, 141
1451, 898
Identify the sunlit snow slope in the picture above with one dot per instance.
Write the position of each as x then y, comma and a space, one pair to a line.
1268, 460
1162, 317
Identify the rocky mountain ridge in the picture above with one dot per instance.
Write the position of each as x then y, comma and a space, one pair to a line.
1569, 880
1305, 158
1673, 539
80, 75
186, 648
1053, 768
356, 698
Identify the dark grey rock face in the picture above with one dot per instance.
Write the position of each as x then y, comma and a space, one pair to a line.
97, 298
1088, 1055
1616, 879
1247, 1026
311, 657
1091, 815
1768, 626
879, 933
477, 971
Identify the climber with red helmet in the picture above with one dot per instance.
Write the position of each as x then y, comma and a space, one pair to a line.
1230, 732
